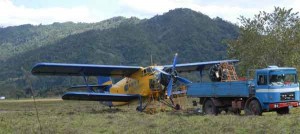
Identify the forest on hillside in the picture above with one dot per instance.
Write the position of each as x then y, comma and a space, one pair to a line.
116, 41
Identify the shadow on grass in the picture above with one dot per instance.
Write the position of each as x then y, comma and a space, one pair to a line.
187, 112
106, 110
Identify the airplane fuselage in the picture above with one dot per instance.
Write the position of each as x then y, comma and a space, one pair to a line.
141, 82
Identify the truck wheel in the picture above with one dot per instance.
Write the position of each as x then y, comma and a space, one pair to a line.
253, 108
283, 111
210, 108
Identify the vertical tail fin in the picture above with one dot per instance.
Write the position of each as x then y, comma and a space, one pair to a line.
104, 80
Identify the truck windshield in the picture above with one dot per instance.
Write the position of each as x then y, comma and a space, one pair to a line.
282, 79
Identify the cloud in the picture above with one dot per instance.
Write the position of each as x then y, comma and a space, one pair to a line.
150, 8
227, 9
153, 6
91, 11
11, 14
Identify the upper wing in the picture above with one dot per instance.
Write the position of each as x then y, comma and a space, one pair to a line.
82, 69
198, 66
91, 96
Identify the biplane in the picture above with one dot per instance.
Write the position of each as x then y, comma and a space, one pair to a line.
137, 82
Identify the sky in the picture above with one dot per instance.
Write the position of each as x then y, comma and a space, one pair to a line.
18, 12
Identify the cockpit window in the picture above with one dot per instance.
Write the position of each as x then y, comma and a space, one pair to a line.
147, 71
281, 79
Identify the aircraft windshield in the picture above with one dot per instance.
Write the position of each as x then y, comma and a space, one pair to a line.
282, 79
148, 71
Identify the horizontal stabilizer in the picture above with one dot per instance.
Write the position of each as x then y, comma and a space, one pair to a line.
90, 96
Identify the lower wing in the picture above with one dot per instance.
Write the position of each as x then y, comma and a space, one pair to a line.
91, 96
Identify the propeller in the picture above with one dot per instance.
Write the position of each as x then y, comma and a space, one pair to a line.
170, 84
171, 76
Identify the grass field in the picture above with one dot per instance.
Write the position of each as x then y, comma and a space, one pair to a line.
57, 116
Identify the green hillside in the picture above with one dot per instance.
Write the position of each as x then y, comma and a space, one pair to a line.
118, 41
19, 39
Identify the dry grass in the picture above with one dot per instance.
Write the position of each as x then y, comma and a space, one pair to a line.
91, 117
31, 100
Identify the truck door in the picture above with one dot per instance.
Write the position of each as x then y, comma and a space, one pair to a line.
262, 87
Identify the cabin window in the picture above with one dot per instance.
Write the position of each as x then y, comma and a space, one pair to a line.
281, 79
126, 87
147, 71
262, 80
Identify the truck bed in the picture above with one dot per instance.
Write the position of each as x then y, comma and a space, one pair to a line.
218, 89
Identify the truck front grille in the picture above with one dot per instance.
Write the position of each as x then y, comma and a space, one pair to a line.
287, 96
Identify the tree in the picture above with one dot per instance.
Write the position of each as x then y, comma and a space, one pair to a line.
267, 39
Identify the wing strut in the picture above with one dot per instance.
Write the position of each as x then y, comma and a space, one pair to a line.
89, 88
140, 108
201, 75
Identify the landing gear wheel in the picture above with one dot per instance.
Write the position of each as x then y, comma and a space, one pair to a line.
283, 111
177, 107
210, 108
253, 108
139, 108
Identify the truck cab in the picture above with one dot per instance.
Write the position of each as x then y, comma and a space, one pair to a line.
276, 89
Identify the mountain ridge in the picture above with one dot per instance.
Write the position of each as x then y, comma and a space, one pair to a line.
124, 41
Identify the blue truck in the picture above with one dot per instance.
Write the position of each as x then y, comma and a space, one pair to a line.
272, 89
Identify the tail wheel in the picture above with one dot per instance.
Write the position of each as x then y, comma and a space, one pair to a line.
253, 108
283, 111
210, 108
